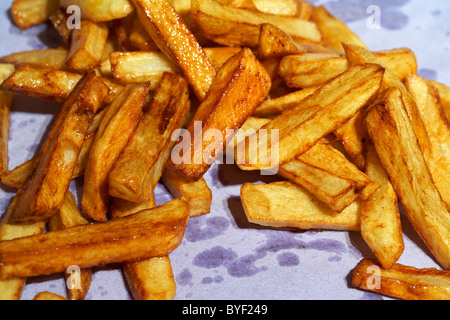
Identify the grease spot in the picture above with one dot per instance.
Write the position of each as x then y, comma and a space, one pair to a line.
288, 259
184, 277
427, 74
205, 228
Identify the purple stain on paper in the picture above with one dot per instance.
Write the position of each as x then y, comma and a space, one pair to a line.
205, 228
288, 259
184, 278
427, 74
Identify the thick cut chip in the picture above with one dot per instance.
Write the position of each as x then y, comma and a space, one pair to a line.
172, 36
397, 146
42, 195
48, 296
283, 7
141, 164
438, 129
285, 204
380, 217
444, 95
6, 102
224, 110
100, 10
27, 13
117, 126
47, 58
231, 26
146, 234
300, 127
402, 282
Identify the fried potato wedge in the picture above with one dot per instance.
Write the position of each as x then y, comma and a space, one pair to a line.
240, 27
174, 39
68, 217
118, 125
59, 21
135, 67
101, 10
285, 204
42, 195
219, 55
48, 296
309, 69
6, 70
47, 58
151, 279
438, 129
444, 95
397, 146
196, 193
282, 8
27, 13
6, 102
141, 164
224, 110
146, 234
380, 217
119, 208
402, 282
300, 127
323, 171
12, 289
87, 46
334, 31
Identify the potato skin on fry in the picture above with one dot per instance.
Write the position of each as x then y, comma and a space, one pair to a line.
146, 234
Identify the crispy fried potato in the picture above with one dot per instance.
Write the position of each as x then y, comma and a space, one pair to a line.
140, 39
334, 31
87, 46
6, 102
274, 42
146, 234
151, 279
101, 10
68, 217
118, 125
240, 27
283, 7
174, 39
119, 208
300, 127
141, 164
219, 55
196, 193
438, 129
42, 195
12, 289
6, 70
357, 55
397, 146
47, 58
402, 282
27, 13
309, 69
135, 67
59, 22
444, 95
48, 296
285, 204
380, 217
225, 109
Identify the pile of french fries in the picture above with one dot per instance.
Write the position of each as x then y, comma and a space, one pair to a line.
358, 133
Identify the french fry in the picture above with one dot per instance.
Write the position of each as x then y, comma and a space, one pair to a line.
224, 109
139, 167
151, 279
334, 31
273, 107
101, 10
118, 125
46, 58
300, 127
397, 146
146, 234
380, 217
6, 102
444, 95
87, 46
438, 129
401, 281
121, 208
27, 13
219, 55
12, 289
285, 204
196, 193
140, 39
240, 27
309, 69
273, 42
48, 296
283, 7
174, 39
59, 22
135, 67
6, 70
42, 195
322, 170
